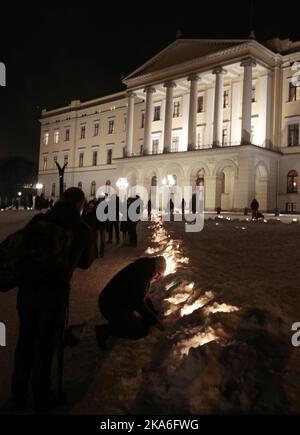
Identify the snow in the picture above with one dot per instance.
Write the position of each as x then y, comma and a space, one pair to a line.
229, 299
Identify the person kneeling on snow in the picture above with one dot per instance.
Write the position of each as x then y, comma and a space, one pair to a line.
125, 302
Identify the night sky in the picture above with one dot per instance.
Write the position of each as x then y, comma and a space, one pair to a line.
56, 53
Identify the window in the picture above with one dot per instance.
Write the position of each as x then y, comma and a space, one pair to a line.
96, 128
124, 123
226, 100
45, 161
81, 157
156, 113
124, 151
143, 120
46, 138
155, 145
294, 92
199, 139
109, 156
53, 189
64, 187
291, 207
175, 144
253, 94
200, 105
55, 159
82, 132
67, 135
176, 109
56, 136
225, 137
80, 185
111, 126
292, 182
293, 135
66, 159
95, 158
93, 188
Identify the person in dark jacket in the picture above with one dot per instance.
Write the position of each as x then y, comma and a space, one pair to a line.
42, 306
254, 208
125, 302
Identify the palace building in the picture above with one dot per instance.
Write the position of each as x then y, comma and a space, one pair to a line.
223, 114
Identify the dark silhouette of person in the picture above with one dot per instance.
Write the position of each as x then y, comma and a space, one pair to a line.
125, 302
149, 208
89, 217
42, 306
113, 224
254, 208
102, 227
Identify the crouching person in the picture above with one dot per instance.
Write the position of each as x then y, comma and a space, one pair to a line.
125, 302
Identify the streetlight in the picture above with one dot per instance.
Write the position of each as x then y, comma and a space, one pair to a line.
39, 186
122, 183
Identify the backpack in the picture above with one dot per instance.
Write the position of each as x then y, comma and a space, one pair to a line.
30, 256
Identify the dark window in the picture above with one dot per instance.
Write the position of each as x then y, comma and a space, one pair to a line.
294, 92
81, 156
82, 132
293, 135
67, 135
45, 162
200, 106
292, 182
95, 158
156, 113
142, 148
96, 128
111, 126
55, 159
109, 157
66, 159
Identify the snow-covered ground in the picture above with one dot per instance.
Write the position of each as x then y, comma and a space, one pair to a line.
229, 302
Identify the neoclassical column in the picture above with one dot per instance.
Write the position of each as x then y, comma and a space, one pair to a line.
129, 123
218, 110
248, 65
192, 134
148, 120
168, 116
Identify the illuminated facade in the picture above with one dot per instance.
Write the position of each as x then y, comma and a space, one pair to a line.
220, 113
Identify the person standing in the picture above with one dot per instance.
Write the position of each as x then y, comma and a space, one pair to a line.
254, 208
42, 304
